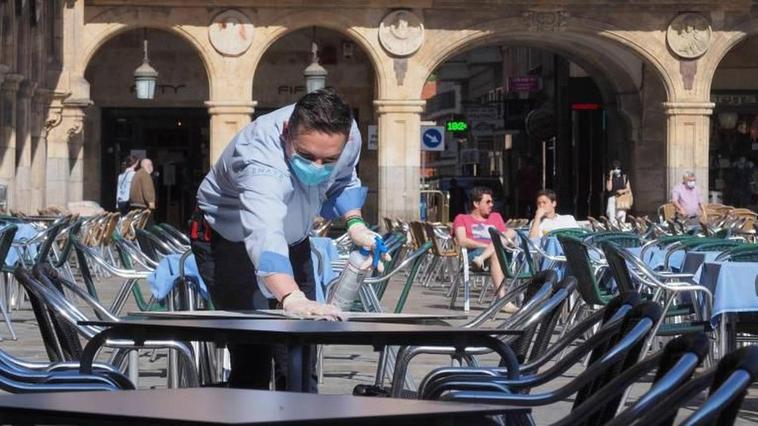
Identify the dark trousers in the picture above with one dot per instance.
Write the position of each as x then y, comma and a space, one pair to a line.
123, 207
230, 277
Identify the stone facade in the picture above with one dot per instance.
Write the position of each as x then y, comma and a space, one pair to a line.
659, 87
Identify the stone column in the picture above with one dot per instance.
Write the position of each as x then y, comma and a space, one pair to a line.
399, 157
64, 155
8, 135
687, 142
40, 104
227, 119
24, 147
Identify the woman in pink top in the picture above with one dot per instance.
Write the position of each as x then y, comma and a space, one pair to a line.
472, 232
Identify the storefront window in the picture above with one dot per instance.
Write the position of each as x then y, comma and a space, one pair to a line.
734, 149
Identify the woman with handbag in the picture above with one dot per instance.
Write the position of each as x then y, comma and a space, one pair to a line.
620, 197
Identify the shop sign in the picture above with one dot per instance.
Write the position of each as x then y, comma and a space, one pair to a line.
483, 120
734, 99
525, 83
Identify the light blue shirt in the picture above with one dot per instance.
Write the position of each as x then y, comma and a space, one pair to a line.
252, 195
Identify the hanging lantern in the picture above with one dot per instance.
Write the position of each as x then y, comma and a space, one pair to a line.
315, 74
145, 77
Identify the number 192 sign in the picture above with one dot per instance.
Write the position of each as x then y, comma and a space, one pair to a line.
432, 138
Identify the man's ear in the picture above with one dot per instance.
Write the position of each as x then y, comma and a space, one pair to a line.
285, 129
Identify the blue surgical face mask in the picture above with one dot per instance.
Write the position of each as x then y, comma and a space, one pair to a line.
309, 172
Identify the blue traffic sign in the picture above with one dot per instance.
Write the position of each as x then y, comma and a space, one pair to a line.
432, 138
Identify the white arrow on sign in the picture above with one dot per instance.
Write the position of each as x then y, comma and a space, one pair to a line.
432, 138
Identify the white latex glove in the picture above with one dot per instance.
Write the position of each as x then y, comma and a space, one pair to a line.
296, 304
366, 238
362, 236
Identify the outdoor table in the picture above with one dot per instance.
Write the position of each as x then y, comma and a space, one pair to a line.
209, 406
298, 336
388, 317
735, 290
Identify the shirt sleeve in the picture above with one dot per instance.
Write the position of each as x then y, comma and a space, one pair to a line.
458, 223
675, 194
346, 193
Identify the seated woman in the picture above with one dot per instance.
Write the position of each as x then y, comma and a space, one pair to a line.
472, 232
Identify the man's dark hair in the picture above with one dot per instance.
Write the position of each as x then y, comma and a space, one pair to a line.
478, 192
323, 110
616, 164
549, 193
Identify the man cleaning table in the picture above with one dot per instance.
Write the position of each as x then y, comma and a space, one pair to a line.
256, 207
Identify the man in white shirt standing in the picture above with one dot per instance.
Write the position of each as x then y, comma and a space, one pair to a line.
124, 184
546, 219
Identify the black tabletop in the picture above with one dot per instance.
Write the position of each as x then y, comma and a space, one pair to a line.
408, 318
229, 406
294, 328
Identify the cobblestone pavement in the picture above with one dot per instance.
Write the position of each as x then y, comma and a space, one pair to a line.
344, 366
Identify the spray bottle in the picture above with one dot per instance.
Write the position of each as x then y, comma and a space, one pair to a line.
357, 269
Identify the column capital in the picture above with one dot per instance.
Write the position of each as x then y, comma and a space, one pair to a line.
689, 108
11, 82
231, 107
407, 106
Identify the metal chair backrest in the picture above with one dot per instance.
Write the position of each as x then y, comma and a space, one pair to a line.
619, 268
728, 383
50, 235
742, 253
437, 250
673, 366
667, 211
504, 256
572, 232
638, 323
418, 234
534, 296
7, 233
53, 329
578, 259
548, 323
152, 245
622, 239
527, 253
176, 233
73, 229
735, 373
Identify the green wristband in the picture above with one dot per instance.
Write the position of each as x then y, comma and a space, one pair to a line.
354, 220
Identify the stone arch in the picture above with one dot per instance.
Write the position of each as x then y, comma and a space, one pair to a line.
730, 38
599, 38
333, 21
113, 30
618, 70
